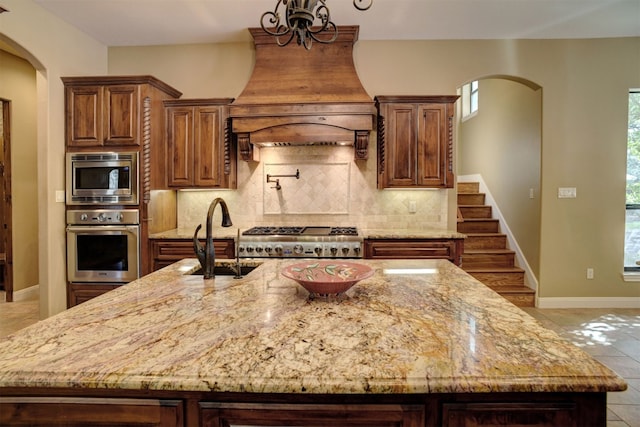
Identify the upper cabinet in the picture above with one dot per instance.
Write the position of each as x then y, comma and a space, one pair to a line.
109, 111
200, 153
415, 141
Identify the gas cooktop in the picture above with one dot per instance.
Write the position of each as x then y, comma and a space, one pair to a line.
300, 242
302, 231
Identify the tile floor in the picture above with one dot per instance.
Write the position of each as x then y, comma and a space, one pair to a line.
612, 336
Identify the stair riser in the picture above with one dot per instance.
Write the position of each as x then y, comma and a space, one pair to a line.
475, 211
492, 279
468, 187
470, 226
488, 260
470, 199
520, 300
485, 242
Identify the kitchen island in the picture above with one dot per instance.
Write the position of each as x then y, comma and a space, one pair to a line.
421, 343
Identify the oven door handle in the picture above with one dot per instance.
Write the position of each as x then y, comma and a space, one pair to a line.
89, 228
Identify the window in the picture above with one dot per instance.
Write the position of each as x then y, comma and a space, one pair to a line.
469, 99
632, 224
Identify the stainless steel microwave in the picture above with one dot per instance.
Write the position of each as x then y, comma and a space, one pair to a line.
102, 178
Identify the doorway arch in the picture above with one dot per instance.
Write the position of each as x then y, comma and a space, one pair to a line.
20, 93
502, 143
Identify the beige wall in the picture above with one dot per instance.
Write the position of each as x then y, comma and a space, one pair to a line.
18, 85
55, 49
502, 143
584, 118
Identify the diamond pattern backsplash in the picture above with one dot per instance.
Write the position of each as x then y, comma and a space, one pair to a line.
333, 190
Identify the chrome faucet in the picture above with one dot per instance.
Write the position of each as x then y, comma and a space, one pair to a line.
207, 254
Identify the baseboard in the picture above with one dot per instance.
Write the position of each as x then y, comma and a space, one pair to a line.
588, 302
30, 293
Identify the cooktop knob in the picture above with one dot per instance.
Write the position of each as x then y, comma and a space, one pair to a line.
345, 250
249, 249
356, 249
268, 249
278, 249
84, 217
298, 249
101, 217
259, 249
334, 250
240, 249
318, 250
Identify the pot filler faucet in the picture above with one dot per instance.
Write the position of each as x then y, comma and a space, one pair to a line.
207, 254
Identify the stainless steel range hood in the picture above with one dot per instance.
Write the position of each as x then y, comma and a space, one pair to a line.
303, 97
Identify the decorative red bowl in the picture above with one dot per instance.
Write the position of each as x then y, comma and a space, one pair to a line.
327, 277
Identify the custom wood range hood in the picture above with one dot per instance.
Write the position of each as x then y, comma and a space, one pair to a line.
303, 97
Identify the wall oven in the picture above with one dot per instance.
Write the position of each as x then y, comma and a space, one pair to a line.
103, 245
103, 177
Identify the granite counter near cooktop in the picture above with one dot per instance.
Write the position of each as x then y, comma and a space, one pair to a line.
378, 233
416, 326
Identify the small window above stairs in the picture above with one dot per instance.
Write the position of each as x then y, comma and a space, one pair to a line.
486, 255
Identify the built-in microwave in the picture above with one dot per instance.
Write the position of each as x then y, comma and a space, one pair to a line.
102, 178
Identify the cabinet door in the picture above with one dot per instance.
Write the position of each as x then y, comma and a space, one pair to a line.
401, 145
165, 252
249, 414
180, 146
121, 115
209, 148
432, 145
77, 293
84, 116
82, 412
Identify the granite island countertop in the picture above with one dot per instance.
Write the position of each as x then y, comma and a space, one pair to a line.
416, 326
366, 233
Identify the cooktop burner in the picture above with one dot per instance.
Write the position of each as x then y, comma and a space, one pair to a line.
301, 231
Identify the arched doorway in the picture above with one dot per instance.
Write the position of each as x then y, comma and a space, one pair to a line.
502, 143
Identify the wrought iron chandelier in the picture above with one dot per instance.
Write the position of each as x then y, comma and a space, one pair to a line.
299, 16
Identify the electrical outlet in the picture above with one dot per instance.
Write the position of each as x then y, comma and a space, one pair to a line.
412, 206
589, 273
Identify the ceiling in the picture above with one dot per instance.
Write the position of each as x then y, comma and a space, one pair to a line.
165, 22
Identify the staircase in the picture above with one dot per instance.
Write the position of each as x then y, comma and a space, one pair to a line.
486, 254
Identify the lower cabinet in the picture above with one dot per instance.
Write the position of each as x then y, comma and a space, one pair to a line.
450, 249
83, 412
167, 251
78, 293
250, 414
195, 409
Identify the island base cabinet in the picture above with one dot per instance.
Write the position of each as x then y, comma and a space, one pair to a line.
256, 415
83, 412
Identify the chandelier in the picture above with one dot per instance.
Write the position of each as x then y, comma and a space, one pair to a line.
299, 17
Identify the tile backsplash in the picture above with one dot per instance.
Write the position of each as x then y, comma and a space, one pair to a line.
333, 189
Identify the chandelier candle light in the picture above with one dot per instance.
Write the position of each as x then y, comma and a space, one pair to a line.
299, 18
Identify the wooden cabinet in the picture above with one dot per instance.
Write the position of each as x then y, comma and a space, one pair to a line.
77, 293
253, 414
103, 112
82, 412
450, 249
167, 251
415, 141
199, 149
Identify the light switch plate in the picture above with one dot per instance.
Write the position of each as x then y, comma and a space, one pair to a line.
413, 206
566, 192
59, 196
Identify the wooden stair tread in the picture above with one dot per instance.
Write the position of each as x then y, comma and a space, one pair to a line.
487, 251
494, 270
513, 289
489, 234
